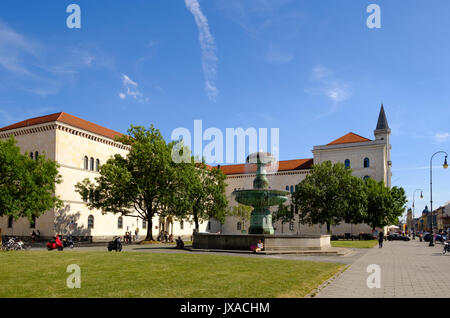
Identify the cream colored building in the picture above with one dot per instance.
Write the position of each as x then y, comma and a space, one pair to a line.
367, 158
80, 147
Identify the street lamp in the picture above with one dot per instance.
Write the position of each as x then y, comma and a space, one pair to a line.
414, 195
445, 165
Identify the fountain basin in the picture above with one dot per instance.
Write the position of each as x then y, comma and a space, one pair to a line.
259, 198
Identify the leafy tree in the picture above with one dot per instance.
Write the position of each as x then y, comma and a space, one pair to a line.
241, 212
145, 182
328, 195
202, 195
384, 205
27, 186
284, 213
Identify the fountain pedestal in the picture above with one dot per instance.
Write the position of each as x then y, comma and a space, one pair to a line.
261, 222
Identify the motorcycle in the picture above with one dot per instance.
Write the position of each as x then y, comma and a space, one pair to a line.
55, 244
115, 244
446, 248
68, 242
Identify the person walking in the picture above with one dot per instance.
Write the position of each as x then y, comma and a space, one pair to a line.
380, 239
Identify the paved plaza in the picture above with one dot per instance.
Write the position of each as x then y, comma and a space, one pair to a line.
408, 270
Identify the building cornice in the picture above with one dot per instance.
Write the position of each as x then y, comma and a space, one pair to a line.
62, 127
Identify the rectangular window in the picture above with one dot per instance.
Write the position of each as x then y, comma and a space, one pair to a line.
33, 222
181, 225
291, 226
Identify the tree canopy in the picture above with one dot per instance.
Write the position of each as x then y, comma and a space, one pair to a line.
142, 183
27, 186
330, 194
149, 182
384, 205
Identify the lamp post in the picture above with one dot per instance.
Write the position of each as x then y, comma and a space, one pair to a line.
414, 195
445, 165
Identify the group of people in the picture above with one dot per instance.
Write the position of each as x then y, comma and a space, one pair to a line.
128, 238
35, 235
165, 237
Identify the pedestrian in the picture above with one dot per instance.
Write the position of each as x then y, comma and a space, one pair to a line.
38, 234
137, 233
380, 239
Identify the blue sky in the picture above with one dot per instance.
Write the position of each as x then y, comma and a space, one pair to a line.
311, 68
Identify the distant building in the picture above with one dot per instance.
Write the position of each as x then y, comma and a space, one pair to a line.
80, 147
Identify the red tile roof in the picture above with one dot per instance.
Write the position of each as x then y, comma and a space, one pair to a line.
286, 165
66, 119
349, 138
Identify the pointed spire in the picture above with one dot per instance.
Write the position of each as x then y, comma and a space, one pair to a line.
382, 121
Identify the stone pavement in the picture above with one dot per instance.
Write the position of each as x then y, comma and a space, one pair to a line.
408, 270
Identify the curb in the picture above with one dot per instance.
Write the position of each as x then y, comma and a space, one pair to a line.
327, 282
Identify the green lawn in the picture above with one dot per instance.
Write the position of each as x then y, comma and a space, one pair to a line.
132, 274
354, 244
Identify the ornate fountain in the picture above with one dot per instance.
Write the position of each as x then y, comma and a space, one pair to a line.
261, 198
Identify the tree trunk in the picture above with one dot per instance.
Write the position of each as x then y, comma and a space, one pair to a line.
149, 229
196, 220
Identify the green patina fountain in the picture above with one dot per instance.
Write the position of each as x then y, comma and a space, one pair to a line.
261, 197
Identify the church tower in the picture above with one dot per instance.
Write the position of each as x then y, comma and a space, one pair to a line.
382, 133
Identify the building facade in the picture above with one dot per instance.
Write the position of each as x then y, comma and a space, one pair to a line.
80, 147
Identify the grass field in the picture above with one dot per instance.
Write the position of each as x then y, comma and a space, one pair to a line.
354, 244
131, 274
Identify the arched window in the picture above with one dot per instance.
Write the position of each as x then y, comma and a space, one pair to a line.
90, 221
31, 155
36, 154
92, 164
119, 222
366, 178
10, 222
33, 222
292, 189
97, 165
366, 163
86, 163
239, 226
347, 163
287, 188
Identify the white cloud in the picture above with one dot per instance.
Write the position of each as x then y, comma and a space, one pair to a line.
127, 81
131, 89
442, 137
337, 91
209, 58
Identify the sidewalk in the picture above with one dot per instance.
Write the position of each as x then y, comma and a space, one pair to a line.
408, 270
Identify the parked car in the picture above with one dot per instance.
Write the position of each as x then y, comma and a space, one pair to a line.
398, 237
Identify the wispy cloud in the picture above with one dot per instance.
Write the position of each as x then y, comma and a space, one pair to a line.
131, 89
326, 84
277, 56
442, 137
209, 58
